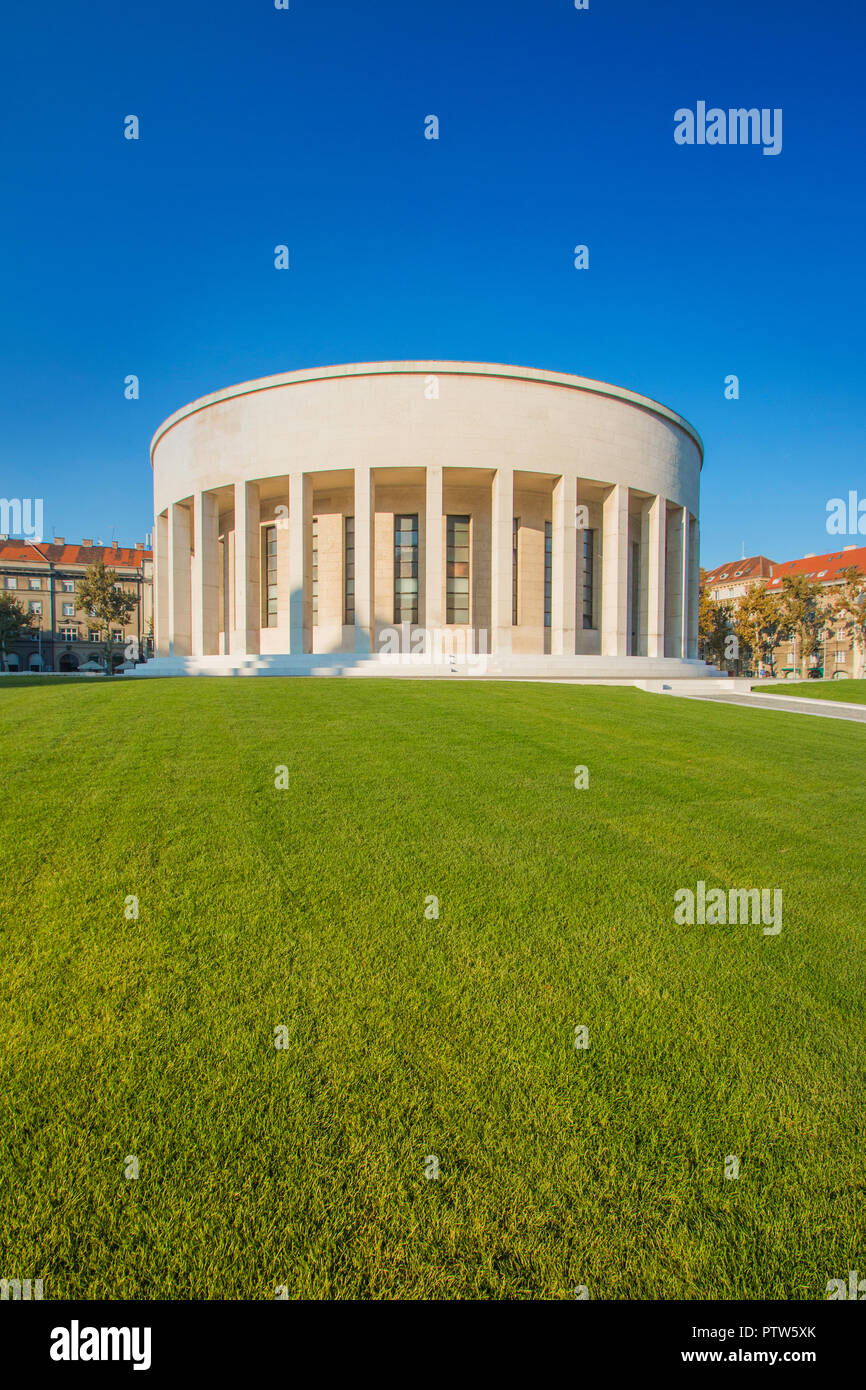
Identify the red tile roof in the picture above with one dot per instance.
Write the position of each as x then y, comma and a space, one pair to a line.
755, 567
823, 569
31, 552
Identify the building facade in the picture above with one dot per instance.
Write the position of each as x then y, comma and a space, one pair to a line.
522, 512
44, 578
838, 654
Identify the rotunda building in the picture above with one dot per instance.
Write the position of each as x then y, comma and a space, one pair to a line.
545, 519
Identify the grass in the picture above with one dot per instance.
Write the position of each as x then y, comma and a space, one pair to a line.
408, 1036
851, 692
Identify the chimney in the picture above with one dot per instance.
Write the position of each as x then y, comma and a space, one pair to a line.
139, 545
850, 547
58, 540
87, 542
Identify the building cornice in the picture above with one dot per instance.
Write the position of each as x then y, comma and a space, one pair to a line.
312, 374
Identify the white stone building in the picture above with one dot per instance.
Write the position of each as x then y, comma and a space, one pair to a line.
549, 520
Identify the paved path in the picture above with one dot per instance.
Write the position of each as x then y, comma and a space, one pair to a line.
824, 709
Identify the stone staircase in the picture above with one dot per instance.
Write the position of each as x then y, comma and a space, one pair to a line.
626, 670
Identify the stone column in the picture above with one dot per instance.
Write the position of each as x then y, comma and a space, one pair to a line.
300, 563
179, 556
284, 592
656, 540
614, 585
248, 563
205, 575
365, 551
673, 582
501, 556
563, 596
160, 570
434, 586
686, 584
579, 573
694, 585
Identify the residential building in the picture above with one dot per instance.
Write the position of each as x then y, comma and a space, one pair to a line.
837, 654
44, 579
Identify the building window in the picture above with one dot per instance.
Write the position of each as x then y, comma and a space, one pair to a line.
457, 570
96, 636
588, 566
315, 571
840, 658
69, 610
548, 573
406, 569
69, 586
635, 596
270, 567
36, 609
11, 581
515, 532
35, 583
349, 569
69, 634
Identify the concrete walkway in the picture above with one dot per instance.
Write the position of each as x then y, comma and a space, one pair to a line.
824, 709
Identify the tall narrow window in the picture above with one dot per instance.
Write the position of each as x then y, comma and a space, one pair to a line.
457, 570
270, 566
349, 570
223, 591
315, 574
548, 573
588, 564
406, 569
635, 596
515, 533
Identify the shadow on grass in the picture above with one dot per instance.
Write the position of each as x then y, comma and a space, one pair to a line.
70, 679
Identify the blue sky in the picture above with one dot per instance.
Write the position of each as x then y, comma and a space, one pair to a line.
306, 127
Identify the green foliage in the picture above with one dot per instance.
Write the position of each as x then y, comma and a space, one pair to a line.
714, 628
758, 623
801, 607
849, 606
106, 604
15, 623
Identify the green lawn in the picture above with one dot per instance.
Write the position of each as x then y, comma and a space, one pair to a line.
853, 692
409, 1037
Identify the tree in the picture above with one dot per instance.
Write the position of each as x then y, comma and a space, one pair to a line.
99, 595
14, 624
848, 609
714, 627
801, 607
758, 624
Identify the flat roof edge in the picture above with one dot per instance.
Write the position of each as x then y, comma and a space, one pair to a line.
433, 368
